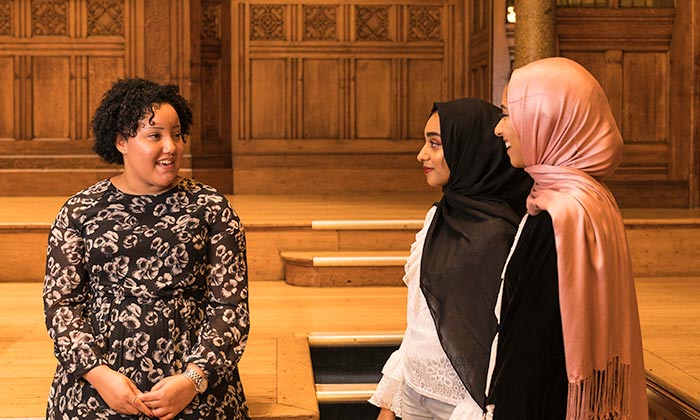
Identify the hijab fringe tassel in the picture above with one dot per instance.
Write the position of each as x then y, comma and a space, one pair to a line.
602, 395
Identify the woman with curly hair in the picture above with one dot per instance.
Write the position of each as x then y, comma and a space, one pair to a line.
146, 287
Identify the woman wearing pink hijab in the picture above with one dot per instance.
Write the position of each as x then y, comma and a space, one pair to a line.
569, 342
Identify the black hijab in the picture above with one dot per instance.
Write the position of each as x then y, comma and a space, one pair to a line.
470, 236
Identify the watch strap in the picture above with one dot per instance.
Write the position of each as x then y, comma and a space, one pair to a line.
196, 378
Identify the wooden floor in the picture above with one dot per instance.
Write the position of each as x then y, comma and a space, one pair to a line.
258, 210
276, 367
662, 241
301, 210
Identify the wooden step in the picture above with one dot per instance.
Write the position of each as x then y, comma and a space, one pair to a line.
344, 393
355, 339
386, 224
662, 241
344, 268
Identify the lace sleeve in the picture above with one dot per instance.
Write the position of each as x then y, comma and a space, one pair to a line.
390, 387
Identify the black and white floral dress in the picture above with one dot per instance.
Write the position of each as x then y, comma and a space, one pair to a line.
146, 284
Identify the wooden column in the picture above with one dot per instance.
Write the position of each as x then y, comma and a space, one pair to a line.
534, 31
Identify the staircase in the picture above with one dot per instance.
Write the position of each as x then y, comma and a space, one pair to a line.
373, 253
347, 368
370, 253
341, 251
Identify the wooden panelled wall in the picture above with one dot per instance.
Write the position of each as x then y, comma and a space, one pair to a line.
481, 47
317, 96
57, 57
644, 58
332, 97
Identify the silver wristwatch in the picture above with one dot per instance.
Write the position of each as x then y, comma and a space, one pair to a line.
200, 382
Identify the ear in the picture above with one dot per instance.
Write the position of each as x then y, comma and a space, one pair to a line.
120, 143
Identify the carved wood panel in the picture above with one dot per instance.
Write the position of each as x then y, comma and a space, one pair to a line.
57, 58
7, 99
342, 71
49, 53
208, 27
342, 79
481, 50
631, 52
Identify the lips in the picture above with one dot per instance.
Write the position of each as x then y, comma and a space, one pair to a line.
164, 162
427, 170
507, 143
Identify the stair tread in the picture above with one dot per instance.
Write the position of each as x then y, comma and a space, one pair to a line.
335, 393
374, 224
355, 338
346, 258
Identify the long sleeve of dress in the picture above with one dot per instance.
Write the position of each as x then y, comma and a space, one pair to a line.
66, 296
224, 335
390, 387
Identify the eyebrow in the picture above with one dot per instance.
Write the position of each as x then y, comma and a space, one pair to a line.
157, 127
432, 134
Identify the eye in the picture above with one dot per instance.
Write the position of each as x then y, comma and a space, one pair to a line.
502, 115
435, 144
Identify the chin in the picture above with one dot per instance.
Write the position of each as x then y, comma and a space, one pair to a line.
437, 184
515, 162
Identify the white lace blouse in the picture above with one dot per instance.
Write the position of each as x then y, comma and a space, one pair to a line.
420, 362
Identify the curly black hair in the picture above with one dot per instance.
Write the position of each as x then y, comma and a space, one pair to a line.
127, 103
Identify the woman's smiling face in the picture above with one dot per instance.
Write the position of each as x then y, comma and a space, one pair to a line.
153, 156
505, 130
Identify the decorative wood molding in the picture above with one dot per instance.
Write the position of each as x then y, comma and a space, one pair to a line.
350, 47
320, 23
425, 23
211, 15
5, 17
105, 18
372, 23
601, 29
57, 58
267, 23
49, 17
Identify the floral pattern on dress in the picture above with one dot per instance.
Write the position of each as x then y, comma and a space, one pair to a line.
147, 284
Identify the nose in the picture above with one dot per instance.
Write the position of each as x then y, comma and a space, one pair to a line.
498, 129
168, 144
422, 154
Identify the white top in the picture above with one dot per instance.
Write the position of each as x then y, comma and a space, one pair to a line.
420, 362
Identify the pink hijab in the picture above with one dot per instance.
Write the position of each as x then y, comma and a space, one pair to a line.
569, 138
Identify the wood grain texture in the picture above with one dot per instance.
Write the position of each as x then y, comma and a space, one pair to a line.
276, 368
661, 240
637, 55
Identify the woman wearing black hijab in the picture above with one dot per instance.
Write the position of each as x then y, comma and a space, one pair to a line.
454, 269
